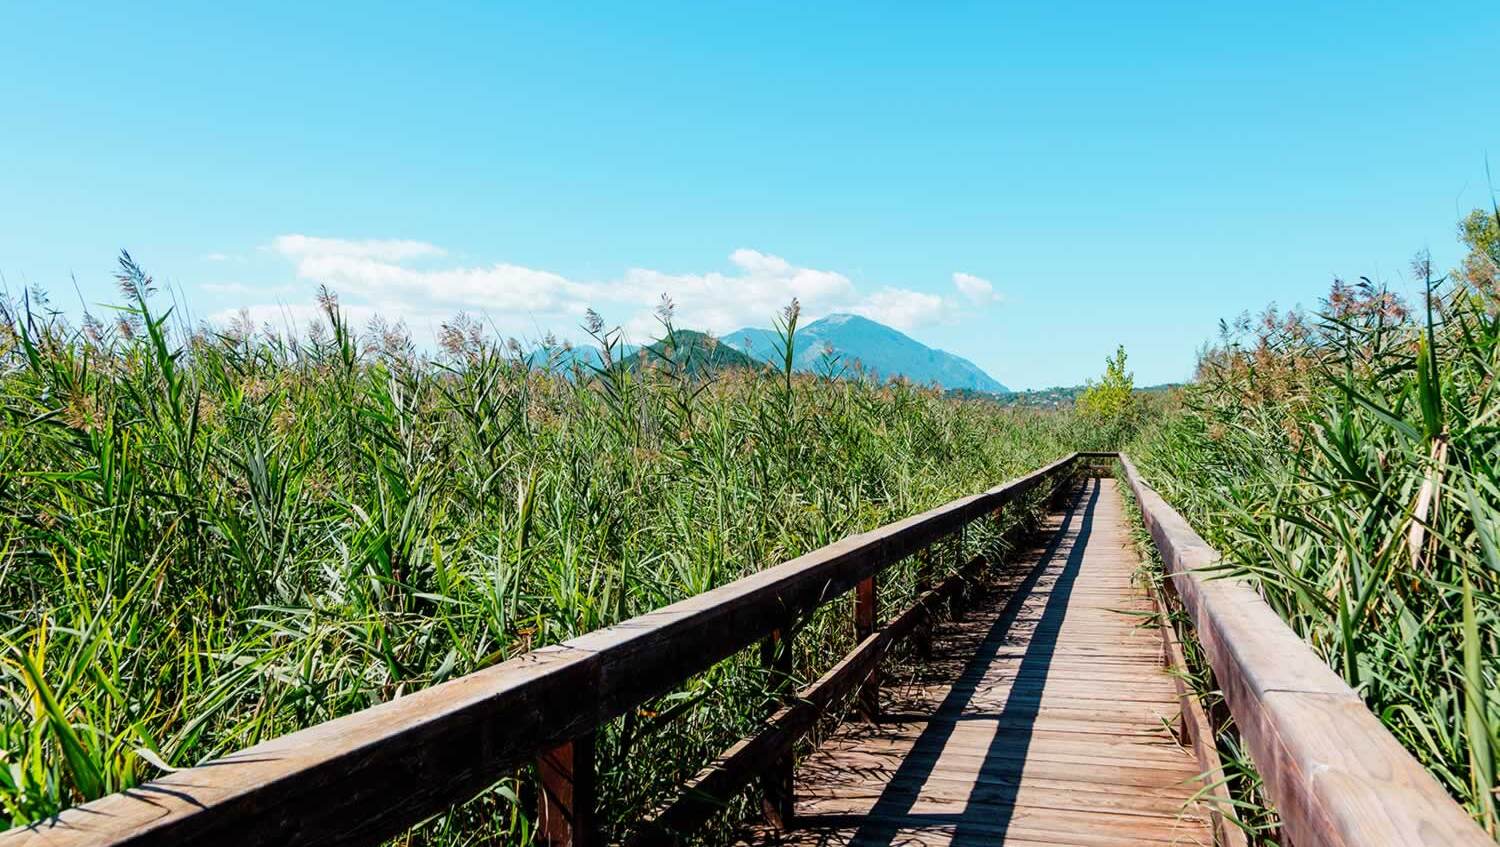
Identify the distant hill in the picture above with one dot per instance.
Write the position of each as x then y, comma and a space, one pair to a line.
564, 358
1060, 395
696, 351
874, 346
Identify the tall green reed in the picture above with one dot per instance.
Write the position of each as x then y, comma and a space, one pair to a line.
212, 536
1347, 462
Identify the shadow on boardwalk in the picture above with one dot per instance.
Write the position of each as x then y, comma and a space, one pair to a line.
1006, 756
970, 754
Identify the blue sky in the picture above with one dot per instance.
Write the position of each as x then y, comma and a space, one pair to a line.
1119, 173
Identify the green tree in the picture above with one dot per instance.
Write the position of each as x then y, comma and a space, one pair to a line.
1480, 232
1113, 396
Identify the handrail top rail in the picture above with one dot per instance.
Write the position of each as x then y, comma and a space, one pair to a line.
1336, 775
362, 777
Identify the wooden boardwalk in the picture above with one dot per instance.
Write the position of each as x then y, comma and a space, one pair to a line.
1044, 717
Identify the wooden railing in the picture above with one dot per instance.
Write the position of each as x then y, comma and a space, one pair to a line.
365, 777
1335, 774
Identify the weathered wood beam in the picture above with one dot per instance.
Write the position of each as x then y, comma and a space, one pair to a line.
866, 602
1197, 731
778, 792
568, 794
364, 777
713, 787
1333, 771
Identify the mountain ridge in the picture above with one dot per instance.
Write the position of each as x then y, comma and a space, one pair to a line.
875, 347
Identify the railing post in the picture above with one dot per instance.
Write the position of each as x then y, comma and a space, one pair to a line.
923, 636
997, 523
568, 795
956, 599
865, 601
778, 788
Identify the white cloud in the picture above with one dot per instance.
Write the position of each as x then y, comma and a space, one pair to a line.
385, 250
721, 302
497, 288
242, 289
904, 309
383, 275
977, 290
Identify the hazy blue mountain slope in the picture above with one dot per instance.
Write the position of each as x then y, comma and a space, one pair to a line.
695, 352
759, 344
875, 346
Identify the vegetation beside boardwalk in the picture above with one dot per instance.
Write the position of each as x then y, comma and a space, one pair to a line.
209, 538
1347, 462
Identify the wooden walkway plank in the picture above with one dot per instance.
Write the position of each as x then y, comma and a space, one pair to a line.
1043, 718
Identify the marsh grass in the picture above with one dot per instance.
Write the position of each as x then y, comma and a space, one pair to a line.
213, 537
1250, 806
1347, 463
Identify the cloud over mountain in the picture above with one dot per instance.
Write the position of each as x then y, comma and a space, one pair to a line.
846, 341
417, 282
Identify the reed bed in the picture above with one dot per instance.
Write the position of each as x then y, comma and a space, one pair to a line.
209, 537
1346, 462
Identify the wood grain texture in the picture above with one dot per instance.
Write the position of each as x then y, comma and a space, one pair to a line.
1198, 731
1043, 717
568, 795
866, 603
776, 779
1336, 775
367, 776
706, 794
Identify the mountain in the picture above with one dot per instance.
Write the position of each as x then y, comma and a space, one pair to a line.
1066, 395
875, 346
697, 352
